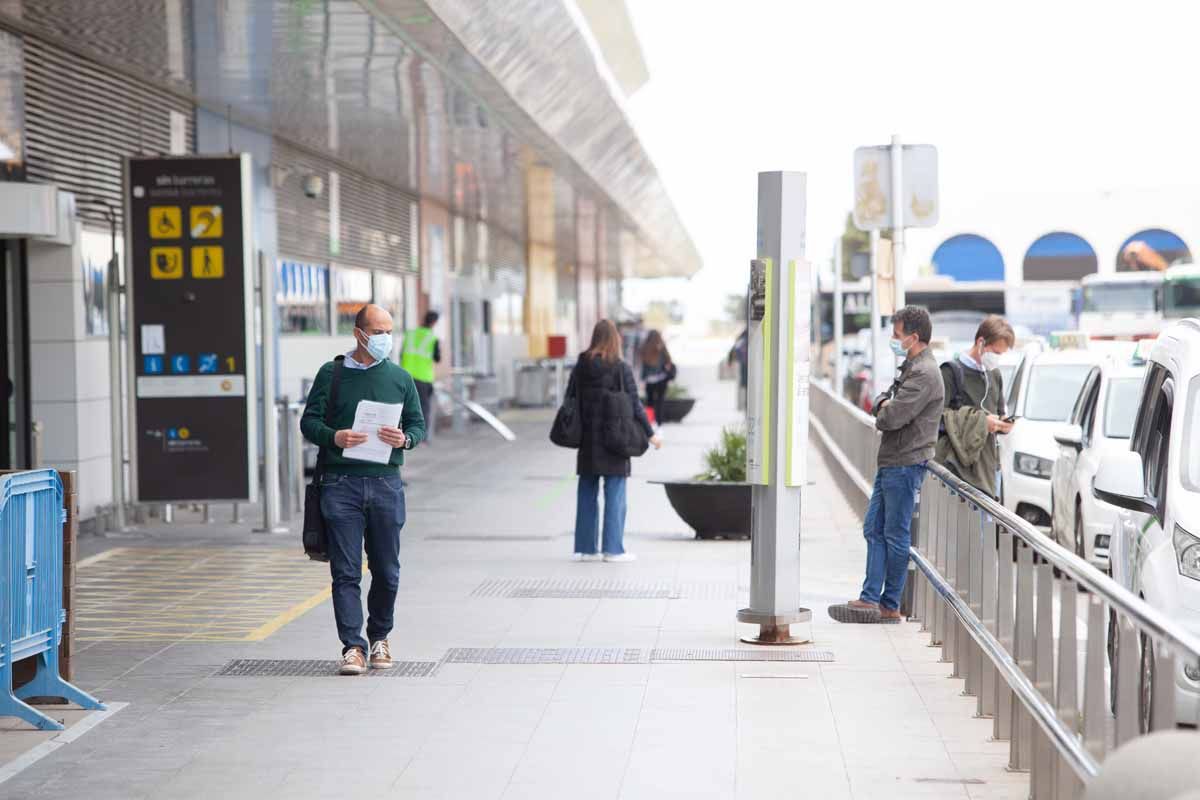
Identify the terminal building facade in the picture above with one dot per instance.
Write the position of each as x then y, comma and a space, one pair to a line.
462, 156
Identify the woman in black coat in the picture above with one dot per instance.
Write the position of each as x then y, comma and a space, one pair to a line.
598, 371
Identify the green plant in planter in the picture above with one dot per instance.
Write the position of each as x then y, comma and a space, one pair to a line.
677, 392
727, 460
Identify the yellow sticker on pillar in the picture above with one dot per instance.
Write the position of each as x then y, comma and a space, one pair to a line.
759, 356
797, 366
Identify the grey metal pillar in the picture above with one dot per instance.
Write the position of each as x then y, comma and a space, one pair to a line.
777, 416
270, 419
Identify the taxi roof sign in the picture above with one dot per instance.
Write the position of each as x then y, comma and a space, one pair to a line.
1069, 340
1141, 353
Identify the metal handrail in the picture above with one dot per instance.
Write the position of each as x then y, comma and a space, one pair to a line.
1080, 760
1154, 622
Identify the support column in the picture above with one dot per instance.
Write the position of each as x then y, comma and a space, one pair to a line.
777, 424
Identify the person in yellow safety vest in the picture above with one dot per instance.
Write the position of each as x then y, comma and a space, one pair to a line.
421, 351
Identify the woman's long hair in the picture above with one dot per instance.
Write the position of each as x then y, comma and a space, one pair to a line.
606, 342
654, 350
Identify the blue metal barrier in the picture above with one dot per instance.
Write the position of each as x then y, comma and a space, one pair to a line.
31, 609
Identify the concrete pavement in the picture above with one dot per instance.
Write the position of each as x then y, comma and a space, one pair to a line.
531, 676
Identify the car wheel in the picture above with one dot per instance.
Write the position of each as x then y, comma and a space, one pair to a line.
1146, 686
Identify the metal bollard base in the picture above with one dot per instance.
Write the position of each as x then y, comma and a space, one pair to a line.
774, 629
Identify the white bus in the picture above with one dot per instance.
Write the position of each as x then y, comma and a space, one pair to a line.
1122, 305
1181, 292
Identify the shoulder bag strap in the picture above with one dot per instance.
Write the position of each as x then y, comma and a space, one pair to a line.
330, 404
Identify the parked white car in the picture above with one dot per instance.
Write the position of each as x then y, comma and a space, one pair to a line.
1155, 550
1045, 388
1100, 423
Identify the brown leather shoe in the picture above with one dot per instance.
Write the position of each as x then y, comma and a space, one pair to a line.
855, 611
890, 616
354, 662
381, 655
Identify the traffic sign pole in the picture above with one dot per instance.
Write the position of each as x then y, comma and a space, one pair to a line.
898, 221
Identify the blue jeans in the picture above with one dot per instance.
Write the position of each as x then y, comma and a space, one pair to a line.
888, 533
587, 514
363, 510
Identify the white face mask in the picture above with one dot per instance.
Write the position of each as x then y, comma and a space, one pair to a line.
990, 360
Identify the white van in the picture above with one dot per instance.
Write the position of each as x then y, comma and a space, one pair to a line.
1155, 548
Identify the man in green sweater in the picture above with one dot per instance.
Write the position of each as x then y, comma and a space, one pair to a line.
363, 501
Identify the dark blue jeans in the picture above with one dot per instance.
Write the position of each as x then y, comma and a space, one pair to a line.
362, 511
587, 514
887, 530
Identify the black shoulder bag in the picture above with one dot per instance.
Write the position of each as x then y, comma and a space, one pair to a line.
316, 539
623, 434
567, 430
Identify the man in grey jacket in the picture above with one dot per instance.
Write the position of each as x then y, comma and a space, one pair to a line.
908, 414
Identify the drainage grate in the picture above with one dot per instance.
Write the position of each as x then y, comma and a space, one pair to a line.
299, 668
596, 588
734, 654
467, 537
545, 655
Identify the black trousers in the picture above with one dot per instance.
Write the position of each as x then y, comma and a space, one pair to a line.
425, 393
656, 395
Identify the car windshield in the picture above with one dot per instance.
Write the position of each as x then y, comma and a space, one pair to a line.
1120, 407
1182, 298
1053, 389
1106, 297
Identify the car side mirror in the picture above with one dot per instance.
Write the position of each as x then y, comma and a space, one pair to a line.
1119, 482
1070, 436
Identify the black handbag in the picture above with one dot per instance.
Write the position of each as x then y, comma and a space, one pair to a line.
567, 430
315, 537
623, 433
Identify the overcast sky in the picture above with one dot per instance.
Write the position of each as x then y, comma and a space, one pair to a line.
1019, 96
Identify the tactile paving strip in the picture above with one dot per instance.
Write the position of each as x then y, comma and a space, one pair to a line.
601, 589
545, 655
738, 654
299, 668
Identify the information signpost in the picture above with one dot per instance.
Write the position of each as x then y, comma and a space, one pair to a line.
191, 343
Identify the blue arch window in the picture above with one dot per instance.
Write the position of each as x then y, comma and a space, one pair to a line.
968, 257
1152, 248
1059, 256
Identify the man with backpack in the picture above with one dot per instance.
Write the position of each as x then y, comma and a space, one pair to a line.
975, 407
362, 502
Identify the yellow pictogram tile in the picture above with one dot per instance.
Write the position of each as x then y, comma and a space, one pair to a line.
208, 261
206, 222
166, 263
166, 222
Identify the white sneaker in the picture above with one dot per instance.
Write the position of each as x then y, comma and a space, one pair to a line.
621, 558
586, 557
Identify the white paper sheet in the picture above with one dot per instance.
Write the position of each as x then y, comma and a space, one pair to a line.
369, 417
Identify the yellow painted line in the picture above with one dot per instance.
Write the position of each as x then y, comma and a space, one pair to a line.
293, 613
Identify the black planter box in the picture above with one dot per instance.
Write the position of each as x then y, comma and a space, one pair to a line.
675, 409
714, 509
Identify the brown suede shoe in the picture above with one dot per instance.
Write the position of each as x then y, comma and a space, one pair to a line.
856, 612
354, 662
381, 655
890, 616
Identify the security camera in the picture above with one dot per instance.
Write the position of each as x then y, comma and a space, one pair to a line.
313, 185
